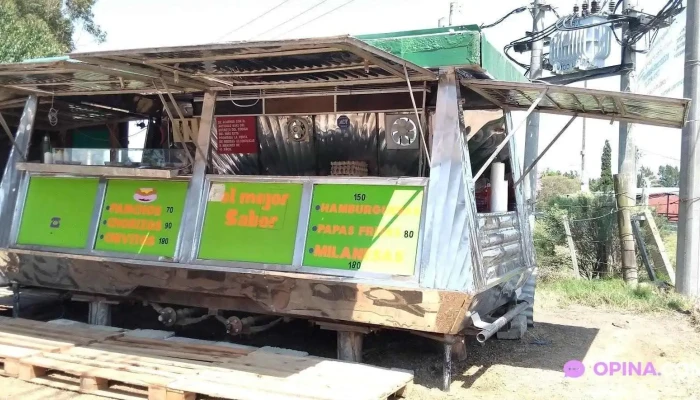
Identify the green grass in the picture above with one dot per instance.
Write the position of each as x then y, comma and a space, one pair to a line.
612, 294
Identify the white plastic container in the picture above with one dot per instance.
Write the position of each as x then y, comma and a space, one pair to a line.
581, 49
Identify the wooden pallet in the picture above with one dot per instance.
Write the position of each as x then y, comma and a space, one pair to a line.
23, 338
127, 368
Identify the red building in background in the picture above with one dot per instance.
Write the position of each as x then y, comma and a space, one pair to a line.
664, 201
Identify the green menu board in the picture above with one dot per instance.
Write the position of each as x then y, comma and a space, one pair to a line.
251, 222
364, 227
141, 217
58, 212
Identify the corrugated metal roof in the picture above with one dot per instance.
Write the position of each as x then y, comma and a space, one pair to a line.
304, 63
291, 64
589, 103
70, 77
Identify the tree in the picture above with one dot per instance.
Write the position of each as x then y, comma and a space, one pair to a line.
646, 175
42, 28
571, 174
555, 184
605, 183
669, 176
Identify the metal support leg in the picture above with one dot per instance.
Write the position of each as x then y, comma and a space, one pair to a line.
15, 300
100, 313
447, 368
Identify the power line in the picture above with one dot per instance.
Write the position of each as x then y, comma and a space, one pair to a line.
308, 22
516, 11
658, 154
290, 19
267, 12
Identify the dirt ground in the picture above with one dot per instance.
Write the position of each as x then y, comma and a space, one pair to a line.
531, 368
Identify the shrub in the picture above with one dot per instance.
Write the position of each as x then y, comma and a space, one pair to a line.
592, 222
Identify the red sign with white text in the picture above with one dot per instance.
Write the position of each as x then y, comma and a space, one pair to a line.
236, 135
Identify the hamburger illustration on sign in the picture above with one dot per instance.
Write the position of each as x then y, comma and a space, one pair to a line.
145, 195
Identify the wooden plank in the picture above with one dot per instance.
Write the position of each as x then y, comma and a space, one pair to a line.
651, 223
90, 384
240, 374
34, 346
133, 367
38, 328
159, 353
155, 362
27, 341
84, 370
225, 391
180, 346
78, 338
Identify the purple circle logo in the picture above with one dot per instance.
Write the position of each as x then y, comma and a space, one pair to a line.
574, 369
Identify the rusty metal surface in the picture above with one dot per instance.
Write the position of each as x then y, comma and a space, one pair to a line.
303, 296
65, 76
588, 103
242, 65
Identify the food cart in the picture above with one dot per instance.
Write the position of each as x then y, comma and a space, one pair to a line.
322, 179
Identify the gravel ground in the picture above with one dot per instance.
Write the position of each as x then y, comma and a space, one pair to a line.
527, 369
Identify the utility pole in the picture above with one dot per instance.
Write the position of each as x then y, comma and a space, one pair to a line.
627, 151
584, 178
688, 252
626, 163
624, 221
533, 121
531, 149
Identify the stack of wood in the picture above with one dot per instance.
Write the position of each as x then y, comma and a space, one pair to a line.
349, 168
120, 364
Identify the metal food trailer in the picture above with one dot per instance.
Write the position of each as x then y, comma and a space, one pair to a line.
323, 179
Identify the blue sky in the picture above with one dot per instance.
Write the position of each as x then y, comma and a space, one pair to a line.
150, 23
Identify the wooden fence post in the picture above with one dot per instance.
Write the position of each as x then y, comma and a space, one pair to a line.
572, 249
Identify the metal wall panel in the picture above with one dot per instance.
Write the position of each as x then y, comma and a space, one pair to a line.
450, 254
500, 244
11, 176
403, 162
357, 142
281, 156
